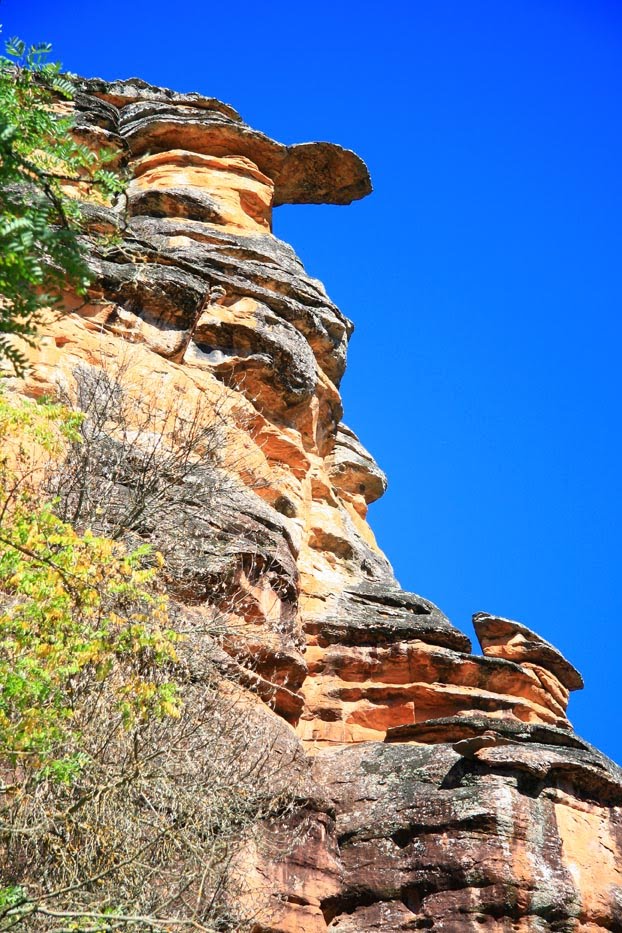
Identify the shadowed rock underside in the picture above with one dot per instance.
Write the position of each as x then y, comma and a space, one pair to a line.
442, 789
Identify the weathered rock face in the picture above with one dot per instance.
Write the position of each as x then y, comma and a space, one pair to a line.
444, 789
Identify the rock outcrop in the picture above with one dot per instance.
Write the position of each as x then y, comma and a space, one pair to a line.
444, 789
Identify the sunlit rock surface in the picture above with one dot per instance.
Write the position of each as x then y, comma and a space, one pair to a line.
402, 830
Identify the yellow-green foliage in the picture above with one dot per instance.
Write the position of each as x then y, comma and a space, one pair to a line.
75, 609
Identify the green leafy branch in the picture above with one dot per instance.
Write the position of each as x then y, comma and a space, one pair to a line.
40, 254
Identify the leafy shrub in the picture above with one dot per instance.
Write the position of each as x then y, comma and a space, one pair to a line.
131, 774
76, 608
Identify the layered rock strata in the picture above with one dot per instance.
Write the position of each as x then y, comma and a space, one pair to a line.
411, 821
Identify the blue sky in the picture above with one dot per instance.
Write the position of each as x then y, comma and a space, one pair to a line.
483, 274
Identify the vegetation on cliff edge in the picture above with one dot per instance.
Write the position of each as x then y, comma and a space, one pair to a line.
40, 253
131, 774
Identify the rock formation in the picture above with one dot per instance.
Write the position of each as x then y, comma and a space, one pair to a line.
443, 789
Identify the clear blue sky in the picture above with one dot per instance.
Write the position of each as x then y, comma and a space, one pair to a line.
483, 274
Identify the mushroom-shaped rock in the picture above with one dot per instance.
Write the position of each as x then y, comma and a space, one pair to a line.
156, 120
504, 638
308, 173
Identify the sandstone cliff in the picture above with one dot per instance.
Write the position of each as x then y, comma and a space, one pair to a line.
440, 789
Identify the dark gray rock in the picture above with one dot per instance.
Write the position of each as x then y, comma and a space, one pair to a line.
131, 90
377, 614
454, 728
434, 840
189, 202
